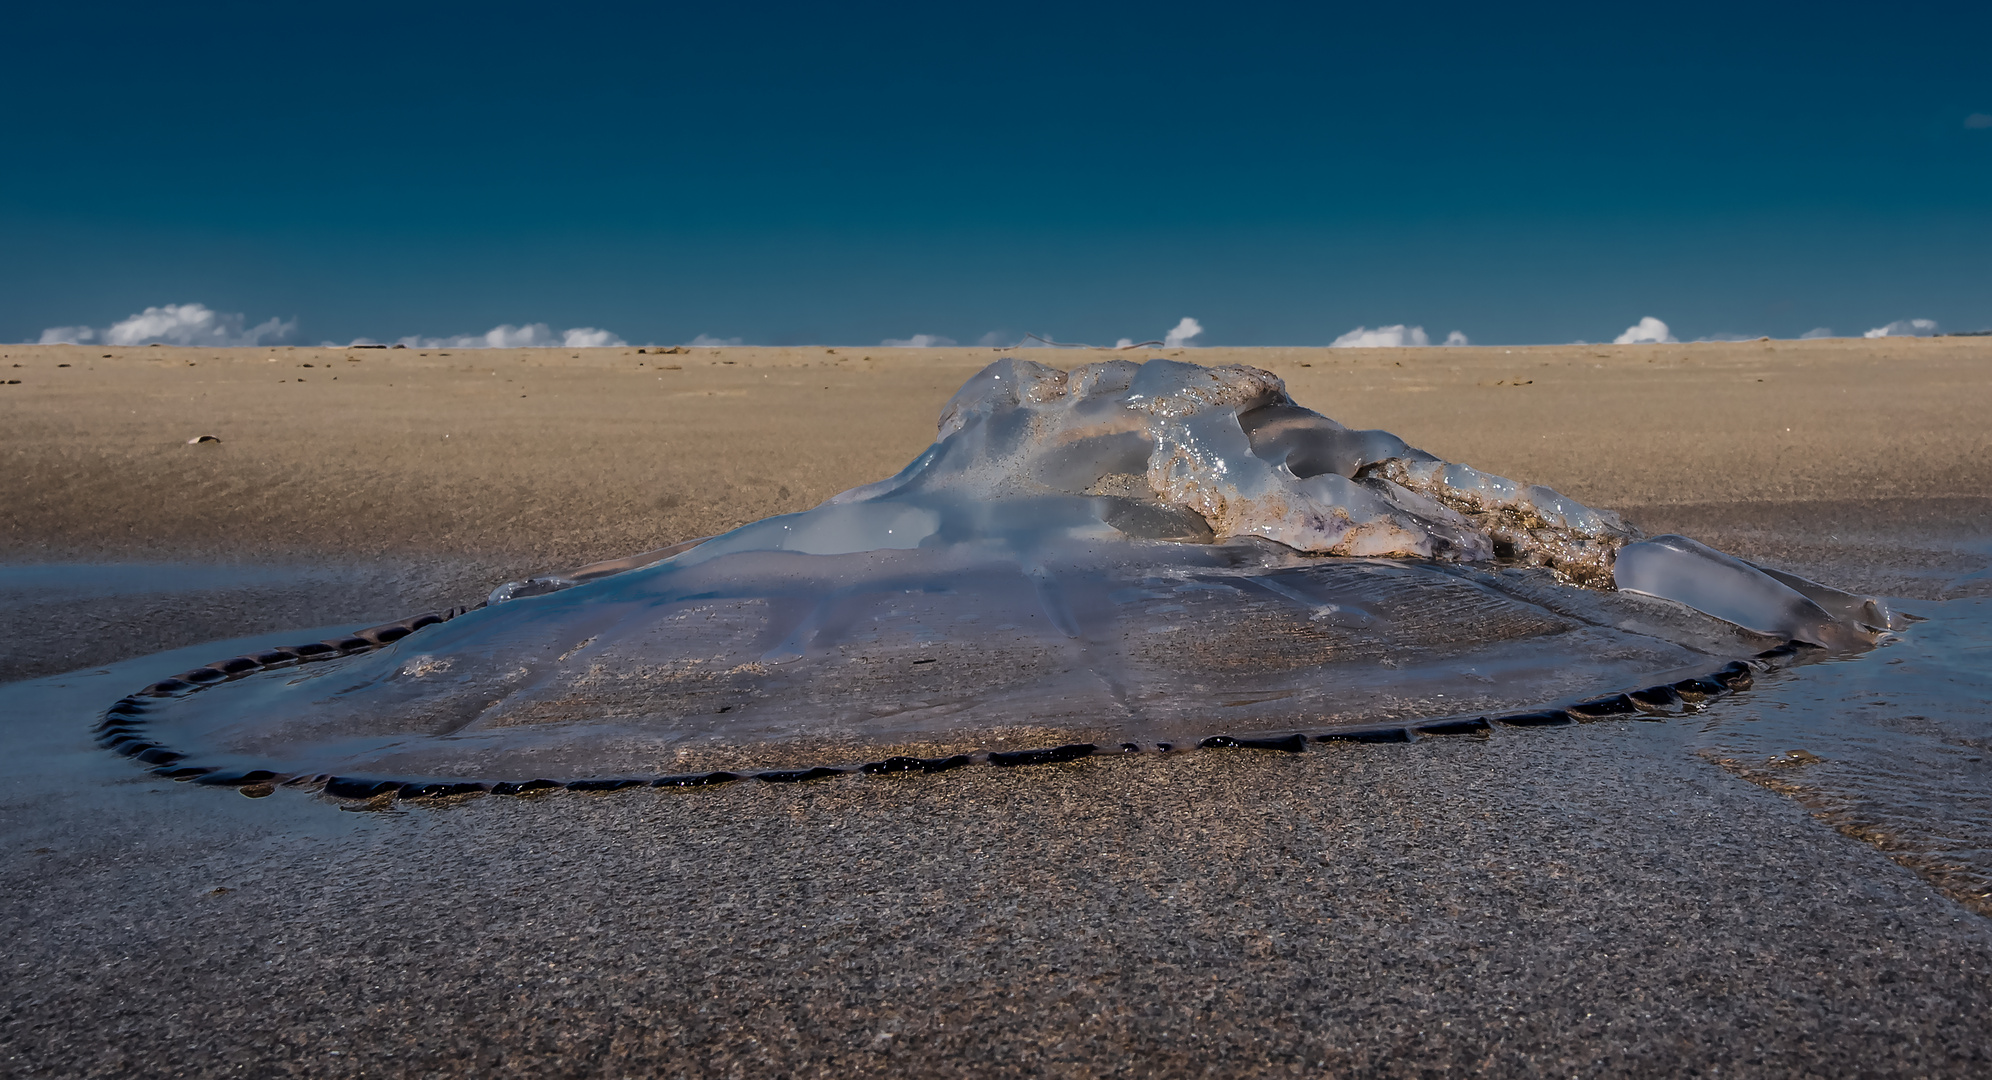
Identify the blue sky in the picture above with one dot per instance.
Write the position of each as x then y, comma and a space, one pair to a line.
791, 174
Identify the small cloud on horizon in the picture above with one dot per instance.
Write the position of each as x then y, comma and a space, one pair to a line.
1388, 337
1647, 331
1816, 332
1904, 328
1978, 121
176, 324
919, 341
1184, 335
707, 341
587, 337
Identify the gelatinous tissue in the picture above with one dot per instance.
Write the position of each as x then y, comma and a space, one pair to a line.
1119, 556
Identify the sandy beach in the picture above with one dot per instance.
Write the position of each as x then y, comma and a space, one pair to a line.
1611, 899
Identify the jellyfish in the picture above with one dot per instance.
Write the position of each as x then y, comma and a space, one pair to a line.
1124, 557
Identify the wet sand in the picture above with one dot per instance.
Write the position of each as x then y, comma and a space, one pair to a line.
1606, 899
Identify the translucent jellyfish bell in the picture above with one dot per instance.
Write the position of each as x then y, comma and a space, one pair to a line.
1121, 556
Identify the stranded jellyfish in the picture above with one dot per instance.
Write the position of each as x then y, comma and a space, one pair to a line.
1124, 557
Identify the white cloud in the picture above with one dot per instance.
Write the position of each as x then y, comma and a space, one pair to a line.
993, 339
507, 336
918, 341
1730, 337
1185, 334
707, 341
1456, 338
1648, 331
176, 324
1978, 121
1904, 328
1386, 337
587, 337
1816, 332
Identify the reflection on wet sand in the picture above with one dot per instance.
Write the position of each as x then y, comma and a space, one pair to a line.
1894, 750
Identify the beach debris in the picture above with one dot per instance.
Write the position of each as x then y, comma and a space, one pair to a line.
202, 439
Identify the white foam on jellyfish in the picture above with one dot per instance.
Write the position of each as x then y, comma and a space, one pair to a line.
1150, 551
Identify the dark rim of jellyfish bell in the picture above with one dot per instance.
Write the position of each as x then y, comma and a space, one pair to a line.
123, 728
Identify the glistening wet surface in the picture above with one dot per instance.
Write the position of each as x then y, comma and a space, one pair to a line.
31, 582
762, 661
1893, 747
1588, 899
63, 616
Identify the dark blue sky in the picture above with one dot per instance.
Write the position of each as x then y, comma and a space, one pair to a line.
844, 174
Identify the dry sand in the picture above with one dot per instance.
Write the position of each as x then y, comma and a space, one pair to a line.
1580, 901
568, 456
